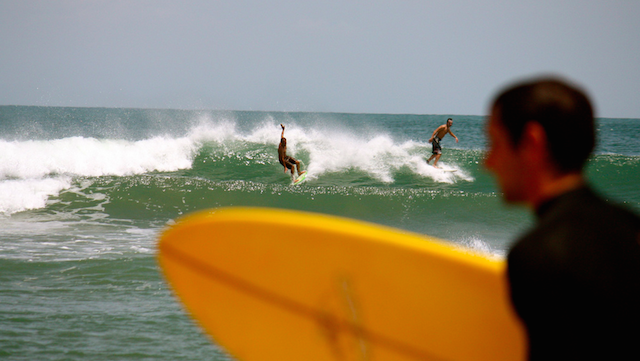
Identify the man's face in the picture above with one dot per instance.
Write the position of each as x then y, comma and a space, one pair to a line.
504, 160
449, 123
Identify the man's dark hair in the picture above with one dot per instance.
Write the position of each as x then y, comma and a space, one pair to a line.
564, 112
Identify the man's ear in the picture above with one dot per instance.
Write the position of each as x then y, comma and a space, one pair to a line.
534, 144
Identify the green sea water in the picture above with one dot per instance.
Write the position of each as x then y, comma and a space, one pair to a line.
84, 193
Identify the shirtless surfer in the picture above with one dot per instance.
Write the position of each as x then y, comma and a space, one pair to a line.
287, 161
435, 139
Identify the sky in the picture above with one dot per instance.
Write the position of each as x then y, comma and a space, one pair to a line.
376, 56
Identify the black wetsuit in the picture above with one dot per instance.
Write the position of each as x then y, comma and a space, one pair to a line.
575, 280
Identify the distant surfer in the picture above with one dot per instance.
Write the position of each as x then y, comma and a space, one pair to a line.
435, 139
287, 161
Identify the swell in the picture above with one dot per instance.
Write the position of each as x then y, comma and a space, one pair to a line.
617, 176
88, 308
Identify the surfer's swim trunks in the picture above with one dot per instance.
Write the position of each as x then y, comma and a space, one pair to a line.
436, 146
289, 162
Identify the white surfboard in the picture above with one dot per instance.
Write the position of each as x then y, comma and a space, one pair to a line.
301, 178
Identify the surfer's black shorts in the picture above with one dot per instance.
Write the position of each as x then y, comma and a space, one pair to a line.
436, 146
289, 162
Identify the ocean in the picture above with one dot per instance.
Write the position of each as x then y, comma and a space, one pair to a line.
85, 192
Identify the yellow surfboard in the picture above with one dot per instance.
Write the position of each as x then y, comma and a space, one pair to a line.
271, 284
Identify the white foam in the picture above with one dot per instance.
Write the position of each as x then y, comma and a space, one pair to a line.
217, 131
32, 171
480, 246
24, 194
91, 157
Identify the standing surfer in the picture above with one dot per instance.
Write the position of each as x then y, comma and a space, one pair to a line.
287, 161
435, 139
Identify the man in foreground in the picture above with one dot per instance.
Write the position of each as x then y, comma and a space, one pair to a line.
287, 161
435, 139
575, 278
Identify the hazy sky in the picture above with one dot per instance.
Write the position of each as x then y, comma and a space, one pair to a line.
396, 56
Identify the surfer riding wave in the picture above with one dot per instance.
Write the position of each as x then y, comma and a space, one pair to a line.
435, 139
287, 161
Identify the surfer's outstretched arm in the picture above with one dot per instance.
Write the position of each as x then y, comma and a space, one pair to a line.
282, 135
453, 135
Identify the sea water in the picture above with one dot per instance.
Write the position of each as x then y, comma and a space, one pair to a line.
85, 192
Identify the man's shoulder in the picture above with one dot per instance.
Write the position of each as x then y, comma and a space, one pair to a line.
587, 202
577, 220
